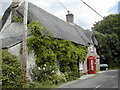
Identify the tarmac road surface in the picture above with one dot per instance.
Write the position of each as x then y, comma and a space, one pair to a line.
107, 80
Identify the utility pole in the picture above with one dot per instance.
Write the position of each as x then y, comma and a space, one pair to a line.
25, 54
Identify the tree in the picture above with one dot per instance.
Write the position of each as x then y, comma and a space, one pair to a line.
108, 25
107, 33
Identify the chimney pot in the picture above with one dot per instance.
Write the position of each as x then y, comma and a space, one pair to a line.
68, 12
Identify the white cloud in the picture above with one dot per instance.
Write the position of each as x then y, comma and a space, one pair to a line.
79, 9
5, 0
102, 6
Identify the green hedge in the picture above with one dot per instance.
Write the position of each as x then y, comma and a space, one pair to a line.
11, 71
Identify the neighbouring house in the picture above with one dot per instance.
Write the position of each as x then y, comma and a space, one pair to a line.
11, 32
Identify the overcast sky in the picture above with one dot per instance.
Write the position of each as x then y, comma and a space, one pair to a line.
83, 14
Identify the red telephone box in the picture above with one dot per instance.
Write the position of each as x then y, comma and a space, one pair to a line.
91, 64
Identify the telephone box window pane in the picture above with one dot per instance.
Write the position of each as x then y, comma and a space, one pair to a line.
92, 67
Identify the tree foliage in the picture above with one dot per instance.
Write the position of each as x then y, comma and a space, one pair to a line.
48, 50
107, 33
12, 76
108, 25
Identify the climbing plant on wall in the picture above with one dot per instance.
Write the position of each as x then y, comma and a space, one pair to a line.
48, 50
18, 19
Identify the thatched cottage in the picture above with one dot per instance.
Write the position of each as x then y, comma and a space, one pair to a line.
11, 33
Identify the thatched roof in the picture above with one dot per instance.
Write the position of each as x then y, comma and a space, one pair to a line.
0, 24
57, 28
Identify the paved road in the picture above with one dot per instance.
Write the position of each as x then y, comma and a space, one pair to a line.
107, 79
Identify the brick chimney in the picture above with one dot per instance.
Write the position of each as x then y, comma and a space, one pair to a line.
70, 18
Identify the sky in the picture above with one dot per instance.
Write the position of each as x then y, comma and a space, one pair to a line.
84, 16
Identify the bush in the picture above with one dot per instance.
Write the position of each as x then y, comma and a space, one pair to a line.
40, 85
58, 79
49, 82
72, 75
11, 71
33, 85
42, 76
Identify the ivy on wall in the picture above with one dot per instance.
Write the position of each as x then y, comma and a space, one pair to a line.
18, 19
48, 49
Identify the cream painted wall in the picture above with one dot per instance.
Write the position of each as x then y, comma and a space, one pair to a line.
15, 50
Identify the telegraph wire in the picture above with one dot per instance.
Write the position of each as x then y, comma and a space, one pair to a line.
92, 9
81, 23
62, 5
68, 11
